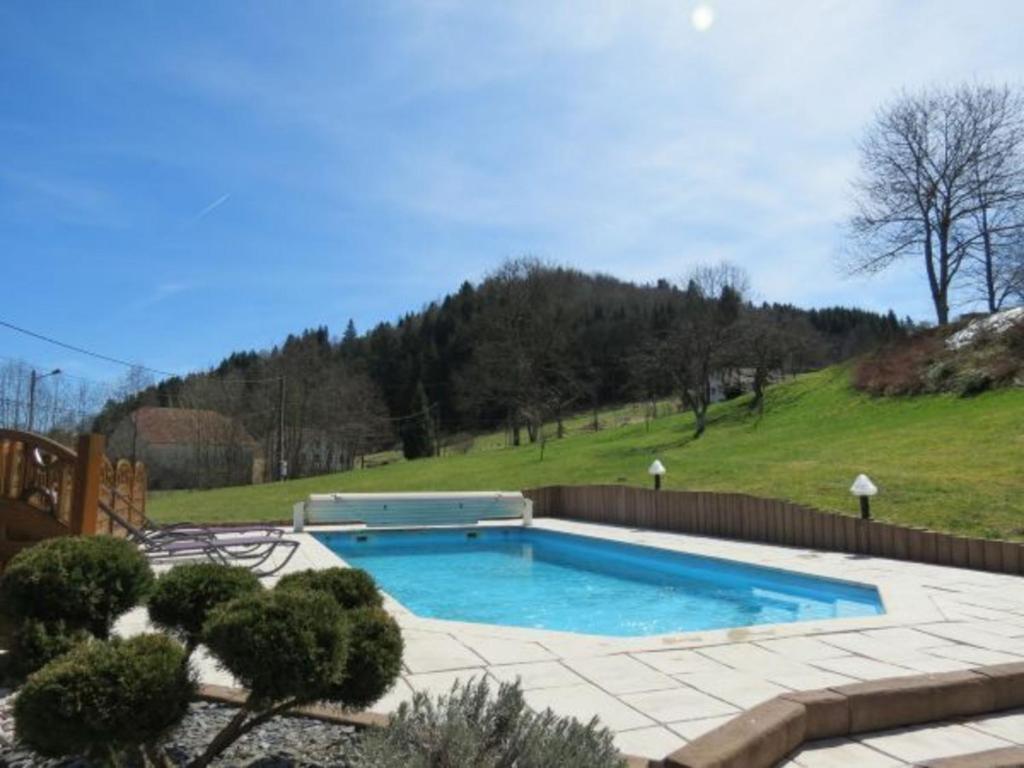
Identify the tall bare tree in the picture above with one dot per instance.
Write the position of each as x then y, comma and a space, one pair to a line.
932, 163
699, 347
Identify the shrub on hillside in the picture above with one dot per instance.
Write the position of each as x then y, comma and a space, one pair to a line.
184, 596
350, 587
470, 727
899, 368
85, 582
105, 697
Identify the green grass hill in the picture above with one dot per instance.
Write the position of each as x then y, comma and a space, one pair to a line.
941, 461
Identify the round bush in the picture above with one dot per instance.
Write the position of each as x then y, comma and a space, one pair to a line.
281, 644
104, 695
350, 587
35, 644
84, 581
184, 596
374, 657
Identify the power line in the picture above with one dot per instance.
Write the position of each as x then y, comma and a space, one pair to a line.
83, 351
118, 361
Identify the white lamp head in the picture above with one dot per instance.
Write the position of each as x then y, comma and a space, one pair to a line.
863, 486
656, 468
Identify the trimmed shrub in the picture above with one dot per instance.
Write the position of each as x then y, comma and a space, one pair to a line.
86, 582
350, 587
374, 657
184, 596
104, 697
469, 727
281, 644
36, 643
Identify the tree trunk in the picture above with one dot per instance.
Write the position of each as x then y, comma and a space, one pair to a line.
700, 415
760, 377
227, 736
934, 283
990, 273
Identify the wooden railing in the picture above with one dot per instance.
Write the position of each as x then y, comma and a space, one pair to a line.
773, 521
48, 490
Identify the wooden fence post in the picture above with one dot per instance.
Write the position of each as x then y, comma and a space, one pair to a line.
87, 485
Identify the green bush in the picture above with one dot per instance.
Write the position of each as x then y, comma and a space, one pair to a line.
184, 596
36, 643
85, 582
281, 644
104, 697
350, 587
973, 382
375, 657
470, 728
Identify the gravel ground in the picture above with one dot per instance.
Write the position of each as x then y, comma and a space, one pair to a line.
285, 742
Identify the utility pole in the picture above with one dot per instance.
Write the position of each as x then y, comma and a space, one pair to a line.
282, 465
33, 380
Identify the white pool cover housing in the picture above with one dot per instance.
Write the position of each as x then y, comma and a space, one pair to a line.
412, 509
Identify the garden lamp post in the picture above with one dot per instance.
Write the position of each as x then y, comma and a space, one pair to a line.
864, 489
656, 470
33, 380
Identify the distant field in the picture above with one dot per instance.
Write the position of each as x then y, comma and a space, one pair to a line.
940, 461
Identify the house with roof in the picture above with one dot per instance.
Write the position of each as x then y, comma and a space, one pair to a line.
189, 448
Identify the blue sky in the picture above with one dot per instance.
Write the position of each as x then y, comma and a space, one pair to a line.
179, 180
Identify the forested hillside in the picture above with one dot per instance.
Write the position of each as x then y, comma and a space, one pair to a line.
528, 345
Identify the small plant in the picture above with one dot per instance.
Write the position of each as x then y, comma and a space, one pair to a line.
62, 590
87, 582
105, 697
350, 587
375, 652
292, 646
184, 596
470, 727
35, 643
281, 645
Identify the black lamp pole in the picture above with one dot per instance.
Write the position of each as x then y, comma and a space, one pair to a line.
865, 507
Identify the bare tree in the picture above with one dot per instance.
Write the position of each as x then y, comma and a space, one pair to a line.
768, 342
698, 349
998, 221
931, 165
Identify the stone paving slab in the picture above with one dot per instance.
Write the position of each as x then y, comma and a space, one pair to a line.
907, 746
915, 744
937, 619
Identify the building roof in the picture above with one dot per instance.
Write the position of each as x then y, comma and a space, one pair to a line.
186, 426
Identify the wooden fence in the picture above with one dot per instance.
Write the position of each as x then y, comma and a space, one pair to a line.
750, 518
48, 490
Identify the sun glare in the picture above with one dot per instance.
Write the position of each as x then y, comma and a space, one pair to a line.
702, 18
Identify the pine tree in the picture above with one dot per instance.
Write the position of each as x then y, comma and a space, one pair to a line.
418, 431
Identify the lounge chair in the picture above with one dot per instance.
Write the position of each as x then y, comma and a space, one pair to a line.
154, 530
251, 548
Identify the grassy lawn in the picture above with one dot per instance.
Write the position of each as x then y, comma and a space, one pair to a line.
940, 461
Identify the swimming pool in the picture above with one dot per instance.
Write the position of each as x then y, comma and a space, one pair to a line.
527, 577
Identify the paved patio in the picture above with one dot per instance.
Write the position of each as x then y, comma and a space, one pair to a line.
656, 693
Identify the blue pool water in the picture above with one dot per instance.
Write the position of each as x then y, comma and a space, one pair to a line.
527, 577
